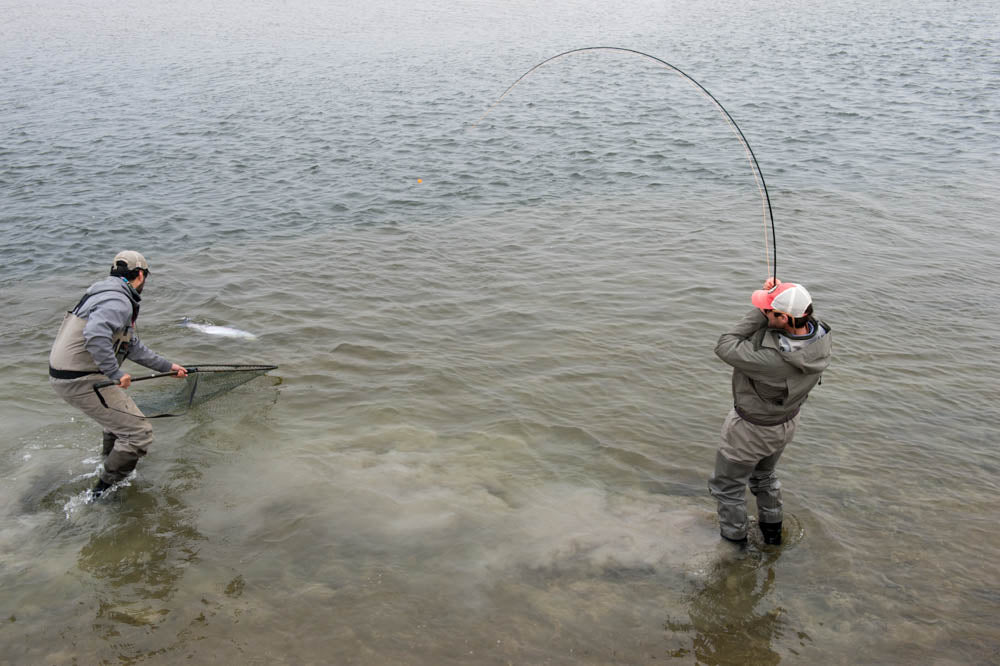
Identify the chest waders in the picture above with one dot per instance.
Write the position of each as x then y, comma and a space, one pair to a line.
69, 358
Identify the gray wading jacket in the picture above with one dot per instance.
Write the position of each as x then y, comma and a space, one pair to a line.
769, 384
99, 334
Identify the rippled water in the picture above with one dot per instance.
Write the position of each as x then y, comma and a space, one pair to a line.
497, 403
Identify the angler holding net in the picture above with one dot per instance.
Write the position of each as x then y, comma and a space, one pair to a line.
96, 336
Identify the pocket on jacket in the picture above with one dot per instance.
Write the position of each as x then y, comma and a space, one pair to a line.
773, 393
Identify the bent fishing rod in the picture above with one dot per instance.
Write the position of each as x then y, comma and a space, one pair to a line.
767, 213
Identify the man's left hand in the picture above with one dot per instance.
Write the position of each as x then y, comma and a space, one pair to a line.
181, 372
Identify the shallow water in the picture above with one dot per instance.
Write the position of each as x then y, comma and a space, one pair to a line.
497, 404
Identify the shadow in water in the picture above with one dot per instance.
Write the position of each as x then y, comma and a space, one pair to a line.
732, 619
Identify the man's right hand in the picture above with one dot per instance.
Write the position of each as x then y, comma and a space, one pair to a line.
771, 282
125, 380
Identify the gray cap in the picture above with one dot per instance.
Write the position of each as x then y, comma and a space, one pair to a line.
132, 259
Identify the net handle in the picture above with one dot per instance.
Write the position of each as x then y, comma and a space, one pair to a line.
111, 382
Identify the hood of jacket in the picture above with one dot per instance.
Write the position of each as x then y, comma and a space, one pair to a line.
811, 358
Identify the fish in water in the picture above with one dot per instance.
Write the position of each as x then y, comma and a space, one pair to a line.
223, 331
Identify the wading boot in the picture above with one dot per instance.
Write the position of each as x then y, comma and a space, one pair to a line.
771, 533
99, 488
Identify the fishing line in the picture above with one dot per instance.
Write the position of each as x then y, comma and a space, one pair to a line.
766, 212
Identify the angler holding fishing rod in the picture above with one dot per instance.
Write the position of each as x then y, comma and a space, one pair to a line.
778, 352
95, 337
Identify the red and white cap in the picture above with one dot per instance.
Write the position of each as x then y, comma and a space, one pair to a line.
787, 298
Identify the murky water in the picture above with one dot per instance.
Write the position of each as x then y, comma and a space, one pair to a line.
497, 404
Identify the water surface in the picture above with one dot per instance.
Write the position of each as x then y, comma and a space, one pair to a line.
497, 404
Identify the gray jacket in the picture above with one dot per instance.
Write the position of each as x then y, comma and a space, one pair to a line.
769, 384
99, 333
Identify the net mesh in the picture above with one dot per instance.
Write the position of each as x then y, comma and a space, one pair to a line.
166, 396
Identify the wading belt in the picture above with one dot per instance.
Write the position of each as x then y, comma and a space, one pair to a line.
749, 419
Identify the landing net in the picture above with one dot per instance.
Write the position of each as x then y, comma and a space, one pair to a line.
166, 395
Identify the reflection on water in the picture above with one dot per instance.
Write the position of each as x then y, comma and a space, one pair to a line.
137, 562
733, 617
154, 594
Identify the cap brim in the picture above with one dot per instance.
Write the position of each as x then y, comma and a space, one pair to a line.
762, 298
